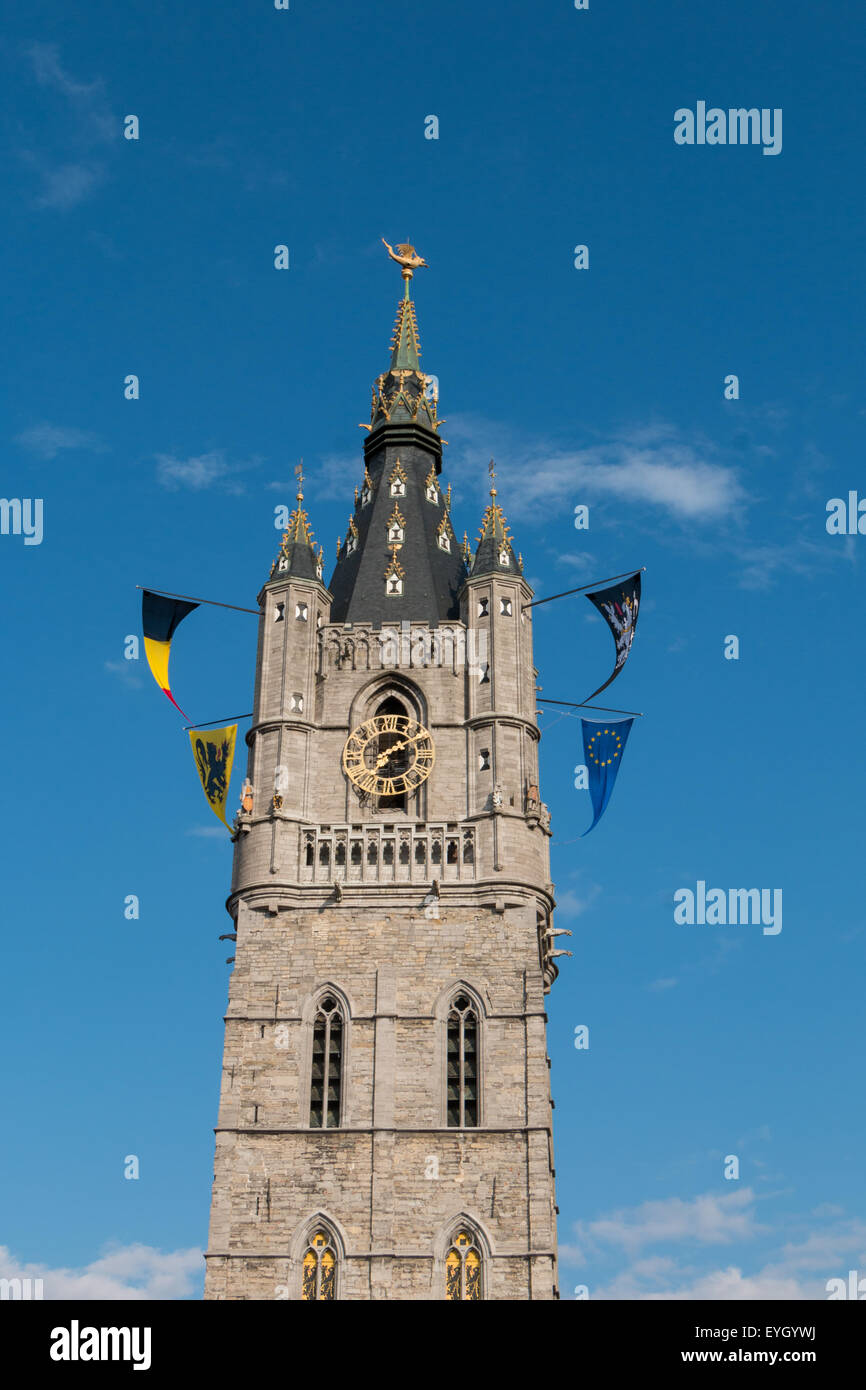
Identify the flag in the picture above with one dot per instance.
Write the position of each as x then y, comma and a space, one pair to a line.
214, 751
603, 747
159, 618
619, 605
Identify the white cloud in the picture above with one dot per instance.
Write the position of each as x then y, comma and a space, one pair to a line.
572, 903
87, 100
47, 441
201, 471
82, 122
125, 672
652, 465
66, 185
582, 564
122, 1272
827, 1247
708, 1219
797, 1270
333, 476
762, 565
730, 1284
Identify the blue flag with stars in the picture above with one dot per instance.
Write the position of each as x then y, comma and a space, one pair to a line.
603, 747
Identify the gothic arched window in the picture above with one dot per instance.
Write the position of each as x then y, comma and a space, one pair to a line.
463, 1268
320, 1269
399, 760
462, 1062
327, 1065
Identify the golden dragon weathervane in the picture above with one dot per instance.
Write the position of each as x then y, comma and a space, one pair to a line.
406, 257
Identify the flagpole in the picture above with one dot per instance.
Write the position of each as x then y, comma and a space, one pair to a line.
606, 709
206, 723
583, 588
165, 594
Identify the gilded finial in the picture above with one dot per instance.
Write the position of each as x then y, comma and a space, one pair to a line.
299, 474
407, 259
491, 469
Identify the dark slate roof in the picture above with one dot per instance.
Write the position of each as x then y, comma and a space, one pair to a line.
494, 542
432, 577
298, 555
403, 436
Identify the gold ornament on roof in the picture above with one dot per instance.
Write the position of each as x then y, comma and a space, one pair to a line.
406, 257
394, 567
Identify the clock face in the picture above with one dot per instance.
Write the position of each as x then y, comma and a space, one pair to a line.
388, 755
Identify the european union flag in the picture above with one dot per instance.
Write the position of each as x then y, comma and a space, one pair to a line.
603, 747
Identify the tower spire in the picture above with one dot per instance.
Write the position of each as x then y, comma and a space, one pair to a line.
495, 554
400, 395
405, 345
400, 503
298, 553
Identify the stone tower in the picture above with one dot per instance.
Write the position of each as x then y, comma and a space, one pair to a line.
385, 1124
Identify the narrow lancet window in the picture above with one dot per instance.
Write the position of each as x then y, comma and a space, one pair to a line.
463, 1269
462, 1063
320, 1269
327, 1069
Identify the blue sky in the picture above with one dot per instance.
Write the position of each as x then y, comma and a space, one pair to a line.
603, 386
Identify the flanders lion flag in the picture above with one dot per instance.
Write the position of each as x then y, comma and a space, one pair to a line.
214, 751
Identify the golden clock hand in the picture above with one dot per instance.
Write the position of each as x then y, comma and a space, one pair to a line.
383, 758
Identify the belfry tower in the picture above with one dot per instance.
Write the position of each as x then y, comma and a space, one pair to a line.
385, 1124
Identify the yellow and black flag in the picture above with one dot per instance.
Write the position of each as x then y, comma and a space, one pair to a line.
159, 618
214, 751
